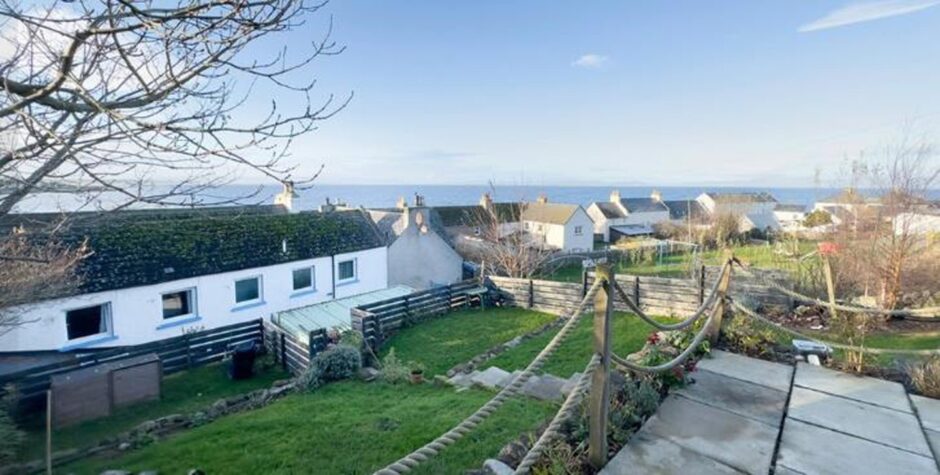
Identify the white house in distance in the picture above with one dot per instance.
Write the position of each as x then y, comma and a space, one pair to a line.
619, 217
155, 273
790, 216
565, 227
418, 254
754, 209
925, 223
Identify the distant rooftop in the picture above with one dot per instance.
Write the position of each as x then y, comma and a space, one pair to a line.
553, 213
741, 197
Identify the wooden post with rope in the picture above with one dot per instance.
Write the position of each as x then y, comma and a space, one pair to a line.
714, 331
599, 402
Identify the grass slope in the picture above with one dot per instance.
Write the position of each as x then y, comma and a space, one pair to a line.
342, 428
440, 343
188, 391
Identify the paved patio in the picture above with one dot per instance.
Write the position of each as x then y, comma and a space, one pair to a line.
744, 415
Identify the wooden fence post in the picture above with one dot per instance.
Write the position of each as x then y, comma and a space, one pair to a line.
636, 290
701, 286
531, 293
584, 282
600, 381
283, 351
715, 330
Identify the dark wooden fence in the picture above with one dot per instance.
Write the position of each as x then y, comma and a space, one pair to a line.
379, 320
176, 354
543, 295
291, 351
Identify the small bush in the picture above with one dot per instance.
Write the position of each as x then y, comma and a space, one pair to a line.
337, 363
925, 376
394, 371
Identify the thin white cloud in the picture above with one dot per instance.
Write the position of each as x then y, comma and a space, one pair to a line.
867, 11
593, 61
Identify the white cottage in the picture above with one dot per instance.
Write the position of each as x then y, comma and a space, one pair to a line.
619, 217
755, 210
565, 227
419, 255
154, 274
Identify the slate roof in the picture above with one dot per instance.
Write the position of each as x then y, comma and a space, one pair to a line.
471, 215
643, 205
609, 210
134, 249
742, 197
553, 213
680, 209
792, 208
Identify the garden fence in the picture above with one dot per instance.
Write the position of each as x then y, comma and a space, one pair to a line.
294, 352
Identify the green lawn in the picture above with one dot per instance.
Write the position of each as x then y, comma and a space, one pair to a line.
183, 392
628, 335
443, 342
678, 265
345, 428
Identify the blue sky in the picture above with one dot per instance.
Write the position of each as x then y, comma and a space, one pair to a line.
610, 92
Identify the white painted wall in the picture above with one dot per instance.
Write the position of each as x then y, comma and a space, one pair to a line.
421, 259
602, 224
137, 313
565, 236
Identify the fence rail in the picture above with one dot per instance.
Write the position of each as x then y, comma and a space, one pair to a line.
291, 351
176, 354
378, 320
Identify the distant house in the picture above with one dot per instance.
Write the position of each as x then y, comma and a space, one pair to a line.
925, 223
755, 210
619, 217
565, 227
790, 216
419, 256
153, 274
686, 212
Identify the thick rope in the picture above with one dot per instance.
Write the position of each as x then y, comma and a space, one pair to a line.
706, 304
567, 411
412, 460
877, 351
699, 337
928, 311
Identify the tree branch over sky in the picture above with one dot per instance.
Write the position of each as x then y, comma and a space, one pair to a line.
109, 95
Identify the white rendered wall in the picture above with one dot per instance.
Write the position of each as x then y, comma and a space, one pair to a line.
137, 314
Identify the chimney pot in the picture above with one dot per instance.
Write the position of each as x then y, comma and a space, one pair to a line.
615, 196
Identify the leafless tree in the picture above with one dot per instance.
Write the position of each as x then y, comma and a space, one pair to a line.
500, 242
34, 271
106, 95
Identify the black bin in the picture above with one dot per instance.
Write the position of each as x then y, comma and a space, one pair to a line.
242, 364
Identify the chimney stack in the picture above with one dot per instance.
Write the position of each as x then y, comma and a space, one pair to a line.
615, 196
401, 203
542, 199
327, 207
419, 201
656, 195
286, 197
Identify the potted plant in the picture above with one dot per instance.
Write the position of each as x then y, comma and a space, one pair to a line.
417, 373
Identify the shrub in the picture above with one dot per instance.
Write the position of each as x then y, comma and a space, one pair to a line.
337, 363
925, 376
394, 371
747, 337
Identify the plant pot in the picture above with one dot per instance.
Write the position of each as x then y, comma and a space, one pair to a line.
417, 377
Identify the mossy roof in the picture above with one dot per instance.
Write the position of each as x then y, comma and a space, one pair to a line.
145, 250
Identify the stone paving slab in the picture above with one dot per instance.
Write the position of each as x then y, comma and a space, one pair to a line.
764, 373
860, 388
545, 387
740, 397
875, 423
490, 378
809, 449
742, 443
928, 410
648, 454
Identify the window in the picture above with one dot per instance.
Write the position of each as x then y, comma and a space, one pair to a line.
578, 230
88, 321
247, 290
347, 270
178, 304
303, 279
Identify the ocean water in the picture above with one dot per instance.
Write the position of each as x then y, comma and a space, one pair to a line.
384, 196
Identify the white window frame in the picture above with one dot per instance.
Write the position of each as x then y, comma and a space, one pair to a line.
193, 304
106, 316
313, 280
243, 303
355, 276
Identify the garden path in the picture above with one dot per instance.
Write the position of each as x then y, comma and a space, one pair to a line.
744, 415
